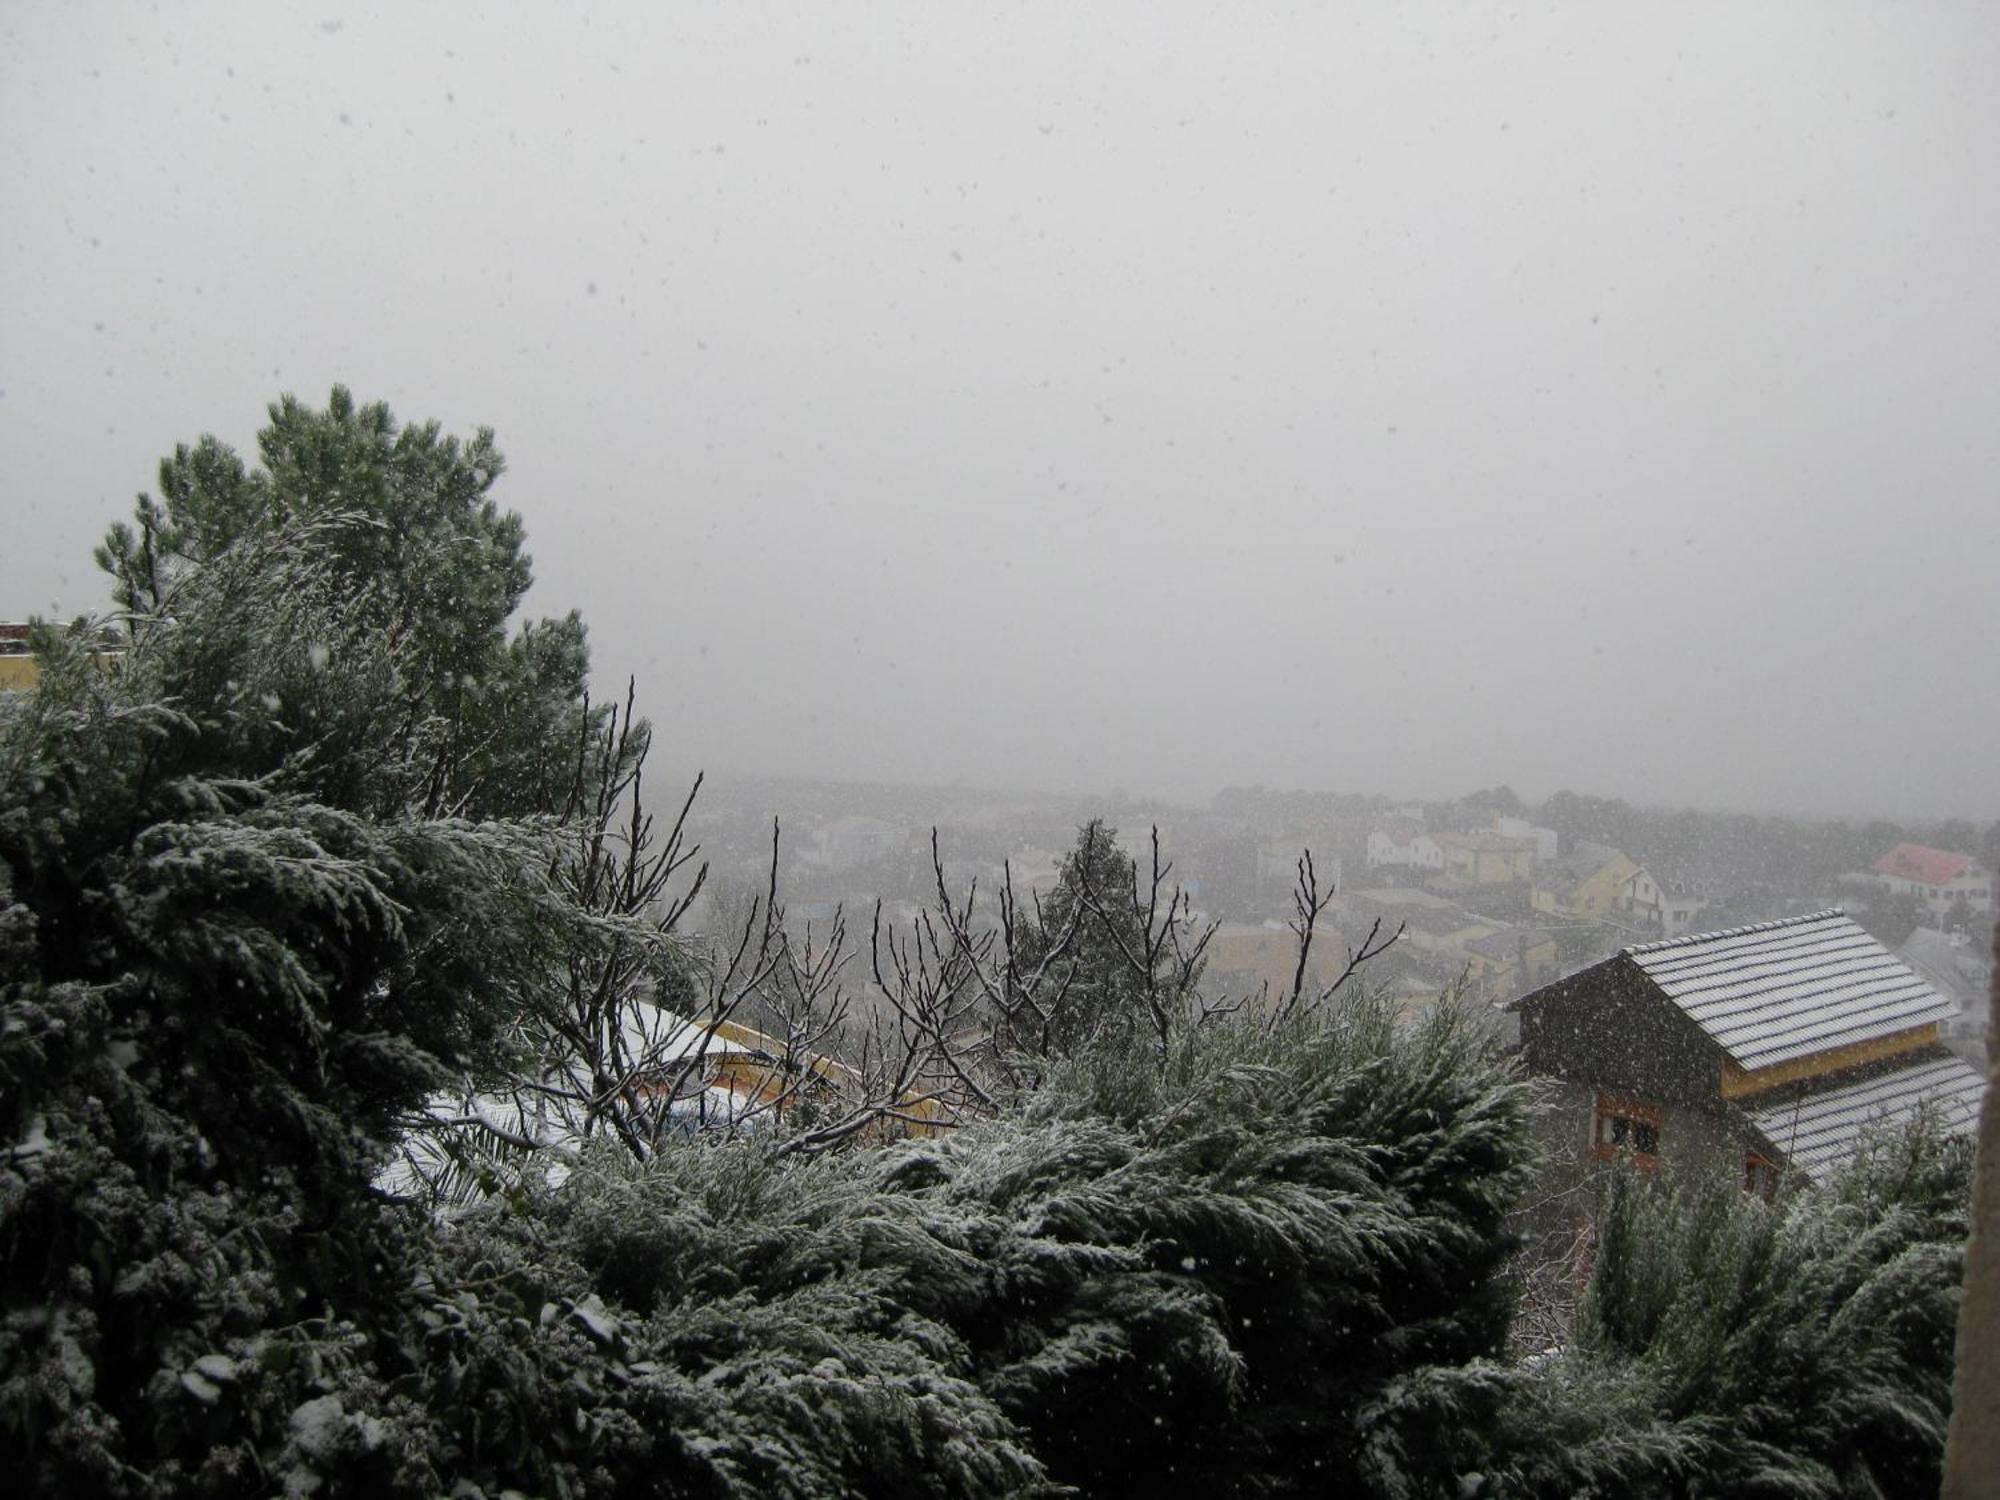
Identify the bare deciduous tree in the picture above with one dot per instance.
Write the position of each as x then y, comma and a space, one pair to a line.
1308, 904
643, 1035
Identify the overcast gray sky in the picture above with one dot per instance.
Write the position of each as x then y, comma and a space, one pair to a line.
1405, 398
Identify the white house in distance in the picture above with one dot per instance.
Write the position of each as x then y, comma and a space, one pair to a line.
1544, 839
1406, 845
1668, 913
1938, 878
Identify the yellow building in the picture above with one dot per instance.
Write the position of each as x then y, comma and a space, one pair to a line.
1510, 959
1486, 858
19, 668
1584, 884
1244, 959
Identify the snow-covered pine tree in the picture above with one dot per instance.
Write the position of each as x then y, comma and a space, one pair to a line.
1110, 948
409, 544
247, 927
222, 992
1272, 1266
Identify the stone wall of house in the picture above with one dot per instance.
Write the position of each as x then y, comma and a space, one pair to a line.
1603, 1027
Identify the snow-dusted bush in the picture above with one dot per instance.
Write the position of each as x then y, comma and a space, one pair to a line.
1273, 1266
1733, 1347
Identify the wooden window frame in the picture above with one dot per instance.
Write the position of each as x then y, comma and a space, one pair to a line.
1637, 1115
1760, 1174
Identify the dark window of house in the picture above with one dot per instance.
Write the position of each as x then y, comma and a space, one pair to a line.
1625, 1127
1760, 1174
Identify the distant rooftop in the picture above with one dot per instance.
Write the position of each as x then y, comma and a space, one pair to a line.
1920, 863
1507, 943
1400, 895
1485, 840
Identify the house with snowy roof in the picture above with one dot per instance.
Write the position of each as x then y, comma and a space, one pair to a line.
1937, 877
1758, 1051
708, 1075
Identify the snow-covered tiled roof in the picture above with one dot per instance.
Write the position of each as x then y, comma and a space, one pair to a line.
1822, 1131
1781, 990
1507, 943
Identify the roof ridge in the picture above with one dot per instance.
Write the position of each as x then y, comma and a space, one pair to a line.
1722, 932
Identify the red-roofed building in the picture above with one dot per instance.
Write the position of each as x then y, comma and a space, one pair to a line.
1936, 877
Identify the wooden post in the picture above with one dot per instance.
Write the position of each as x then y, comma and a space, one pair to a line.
1972, 1449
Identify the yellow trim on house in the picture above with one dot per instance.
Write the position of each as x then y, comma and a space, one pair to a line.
752, 1066
1738, 1082
1593, 896
21, 672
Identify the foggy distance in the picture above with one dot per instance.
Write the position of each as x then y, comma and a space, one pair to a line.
1153, 398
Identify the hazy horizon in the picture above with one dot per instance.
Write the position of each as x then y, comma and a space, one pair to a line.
1157, 398
1107, 797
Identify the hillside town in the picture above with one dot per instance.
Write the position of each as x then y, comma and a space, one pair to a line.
1459, 898
1873, 976
1494, 901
